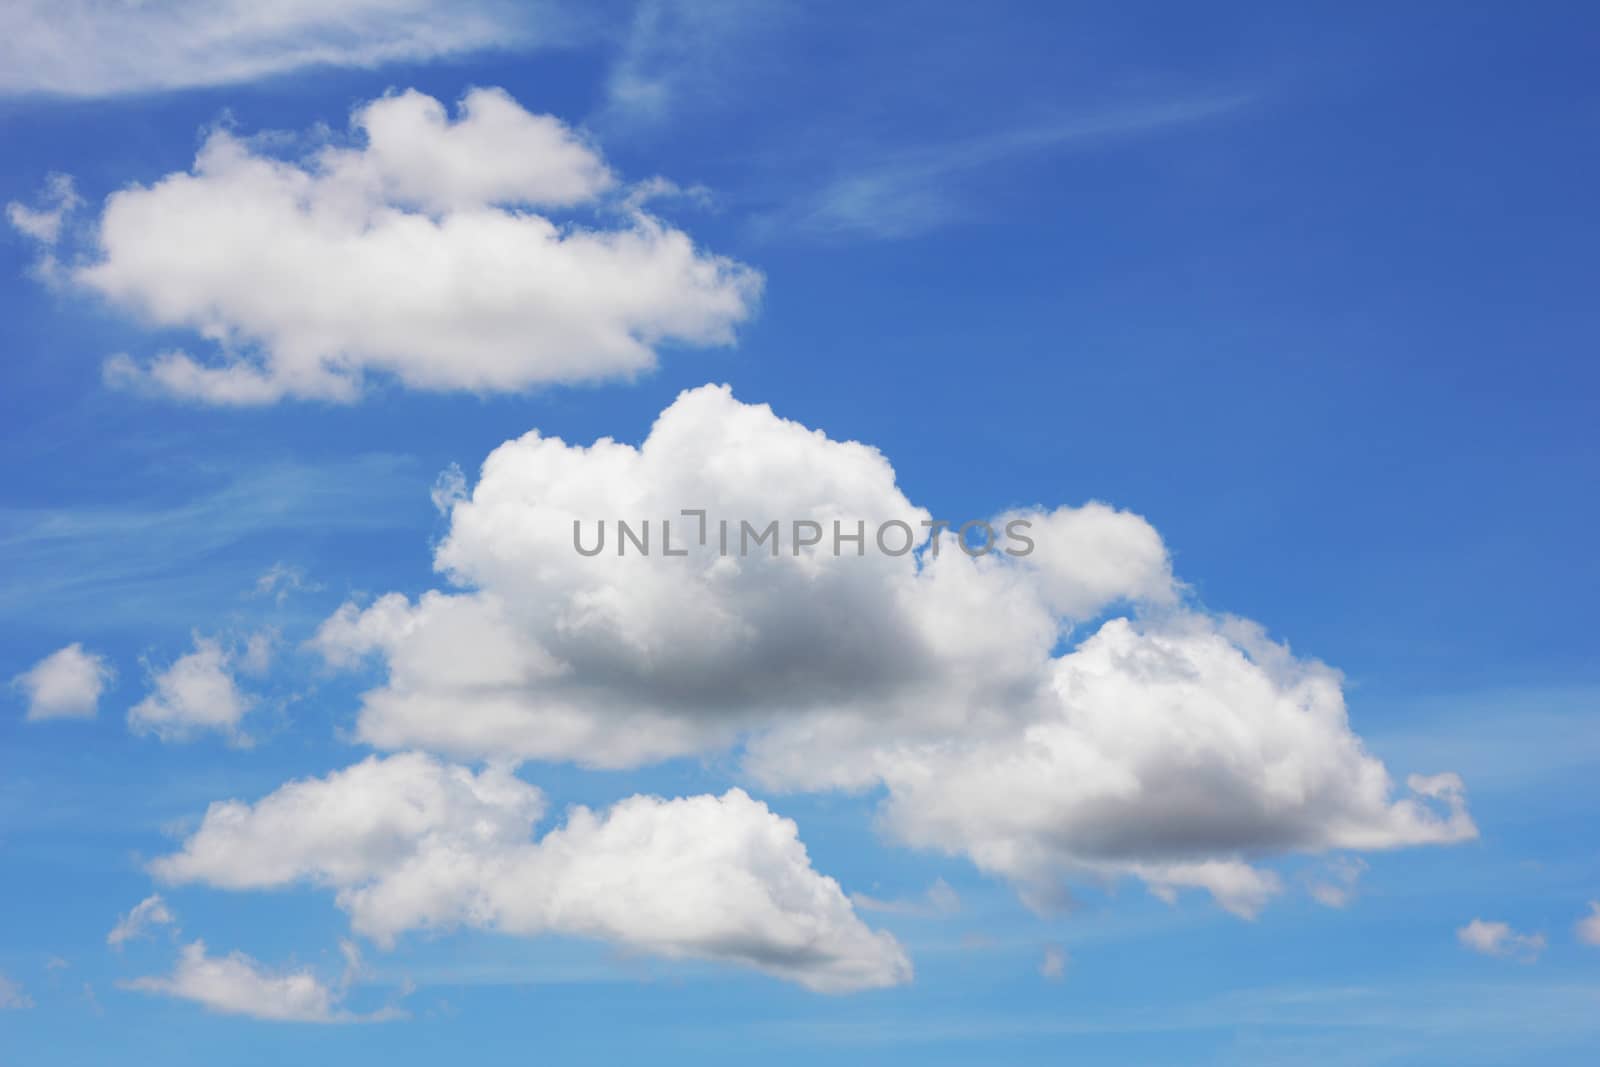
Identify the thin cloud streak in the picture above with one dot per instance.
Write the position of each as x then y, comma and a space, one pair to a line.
131, 561
918, 189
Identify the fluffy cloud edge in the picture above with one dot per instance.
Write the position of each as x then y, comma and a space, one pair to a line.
1587, 929
1168, 744
440, 251
1499, 940
67, 684
144, 916
83, 49
407, 842
198, 694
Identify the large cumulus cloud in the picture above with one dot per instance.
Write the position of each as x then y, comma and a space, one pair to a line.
488, 251
1166, 743
616, 660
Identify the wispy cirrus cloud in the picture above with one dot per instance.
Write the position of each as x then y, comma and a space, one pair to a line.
675, 54
917, 188
149, 913
440, 251
171, 558
197, 693
91, 48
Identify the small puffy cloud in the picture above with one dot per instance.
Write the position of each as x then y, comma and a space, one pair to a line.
1053, 967
1588, 928
194, 695
1166, 744
1499, 939
281, 579
482, 251
12, 996
88, 48
65, 684
235, 984
43, 222
259, 648
150, 912
410, 843
1335, 887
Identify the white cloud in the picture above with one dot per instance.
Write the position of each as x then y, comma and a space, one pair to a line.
418, 252
1168, 745
100, 48
150, 912
367, 818
235, 984
1336, 886
1588, 928
66, 684
619, 661
1169, 750
43, 223
1053, 967
196, 694
12, 996
1499, 939
411, 843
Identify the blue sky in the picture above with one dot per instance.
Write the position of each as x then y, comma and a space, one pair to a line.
1309, 292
